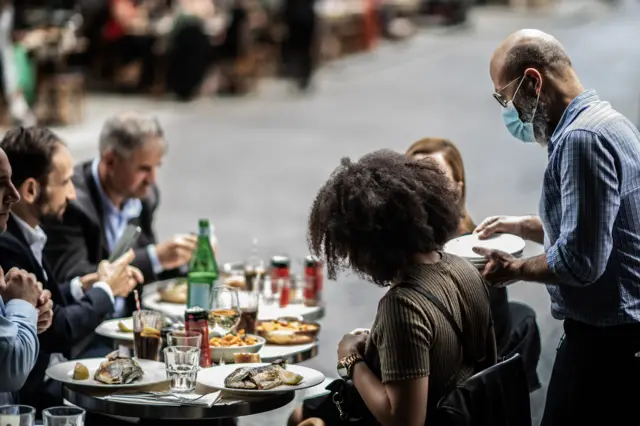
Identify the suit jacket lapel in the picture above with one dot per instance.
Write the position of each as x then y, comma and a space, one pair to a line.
89, 201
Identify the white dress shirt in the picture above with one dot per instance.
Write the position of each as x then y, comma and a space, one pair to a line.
36, 238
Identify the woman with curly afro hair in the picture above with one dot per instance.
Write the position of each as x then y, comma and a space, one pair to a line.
447, 155
386, 217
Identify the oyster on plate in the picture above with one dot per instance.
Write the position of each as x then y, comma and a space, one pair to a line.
118, 370
262, 378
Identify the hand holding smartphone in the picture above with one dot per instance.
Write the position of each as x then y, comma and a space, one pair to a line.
126, 242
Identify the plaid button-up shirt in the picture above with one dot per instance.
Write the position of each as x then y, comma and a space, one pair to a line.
590, 210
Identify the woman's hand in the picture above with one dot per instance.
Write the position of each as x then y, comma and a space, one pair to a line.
351, 344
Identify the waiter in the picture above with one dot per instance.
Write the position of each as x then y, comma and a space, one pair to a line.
589, 223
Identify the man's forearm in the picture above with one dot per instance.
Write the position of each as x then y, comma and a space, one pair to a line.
532, 230
18, 344
535, 269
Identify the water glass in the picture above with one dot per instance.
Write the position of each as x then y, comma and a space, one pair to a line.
184, 338
182, 364
63, 416
17, 415
147, 337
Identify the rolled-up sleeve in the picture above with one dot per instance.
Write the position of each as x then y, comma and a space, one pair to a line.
18, 344
590, 202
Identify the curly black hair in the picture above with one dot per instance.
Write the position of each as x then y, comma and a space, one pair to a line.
374, 215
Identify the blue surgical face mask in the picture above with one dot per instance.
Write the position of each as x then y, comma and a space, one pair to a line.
518, 128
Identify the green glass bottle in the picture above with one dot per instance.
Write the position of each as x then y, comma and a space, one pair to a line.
203, 269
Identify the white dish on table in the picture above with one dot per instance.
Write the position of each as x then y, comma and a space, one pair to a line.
226, 352
154, 373
110, 329
214, 378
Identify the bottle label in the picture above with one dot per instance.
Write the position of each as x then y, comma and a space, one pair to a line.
199, 295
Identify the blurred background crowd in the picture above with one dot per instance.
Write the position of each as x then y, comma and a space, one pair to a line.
52, 51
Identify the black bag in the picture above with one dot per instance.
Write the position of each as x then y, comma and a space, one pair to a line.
497, 395
343, 406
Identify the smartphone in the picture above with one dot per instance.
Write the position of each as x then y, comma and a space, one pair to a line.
126, 242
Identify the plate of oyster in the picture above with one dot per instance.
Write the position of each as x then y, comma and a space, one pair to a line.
114, 371
260, 378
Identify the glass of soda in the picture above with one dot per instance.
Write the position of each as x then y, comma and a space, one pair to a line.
147, 338
182, 364
249, 301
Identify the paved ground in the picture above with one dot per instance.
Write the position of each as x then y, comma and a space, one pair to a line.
253, 165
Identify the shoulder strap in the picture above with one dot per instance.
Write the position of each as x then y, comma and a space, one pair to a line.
438, 304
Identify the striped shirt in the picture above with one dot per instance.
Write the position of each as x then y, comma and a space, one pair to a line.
410, 338
590, 210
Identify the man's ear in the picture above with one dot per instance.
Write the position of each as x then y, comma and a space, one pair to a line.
107, 158
29, 190
534, 75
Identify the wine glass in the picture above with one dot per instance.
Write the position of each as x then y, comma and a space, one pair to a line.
224, 313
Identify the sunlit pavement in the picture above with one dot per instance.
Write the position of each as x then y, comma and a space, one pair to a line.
253, 165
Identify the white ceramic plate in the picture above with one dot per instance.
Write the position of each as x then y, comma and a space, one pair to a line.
154, 373
463, 246
214, 377
110, 330
226, 353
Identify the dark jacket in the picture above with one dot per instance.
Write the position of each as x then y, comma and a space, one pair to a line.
73, 321
77, 243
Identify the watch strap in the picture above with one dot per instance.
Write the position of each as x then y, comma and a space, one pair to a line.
346, 364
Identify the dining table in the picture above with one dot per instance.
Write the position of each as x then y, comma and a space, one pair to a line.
292, 354
150, 299
225, 407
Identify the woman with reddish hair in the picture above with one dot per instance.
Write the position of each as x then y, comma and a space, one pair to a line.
445, 153
514, 323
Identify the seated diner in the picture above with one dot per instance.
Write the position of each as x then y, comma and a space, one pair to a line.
386, 217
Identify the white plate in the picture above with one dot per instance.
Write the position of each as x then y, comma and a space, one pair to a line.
154, 373
109, 329
226, 352
214, 378
463, 246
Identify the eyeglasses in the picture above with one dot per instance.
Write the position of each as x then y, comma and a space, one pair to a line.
498, 96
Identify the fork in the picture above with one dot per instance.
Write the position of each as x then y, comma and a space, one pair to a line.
158, 396
178, 397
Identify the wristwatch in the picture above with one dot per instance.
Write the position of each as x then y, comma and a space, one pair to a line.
346, 364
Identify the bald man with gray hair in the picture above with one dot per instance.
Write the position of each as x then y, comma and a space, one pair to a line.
589, 223
114, 190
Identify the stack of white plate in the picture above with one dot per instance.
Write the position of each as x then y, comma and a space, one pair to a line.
463, 247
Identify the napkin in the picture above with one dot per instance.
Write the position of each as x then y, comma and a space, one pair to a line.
207, 400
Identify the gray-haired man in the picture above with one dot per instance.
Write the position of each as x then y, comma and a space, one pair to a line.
112, 191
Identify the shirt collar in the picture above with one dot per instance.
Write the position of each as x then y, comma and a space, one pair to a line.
573, 110
34, 236
131, 208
